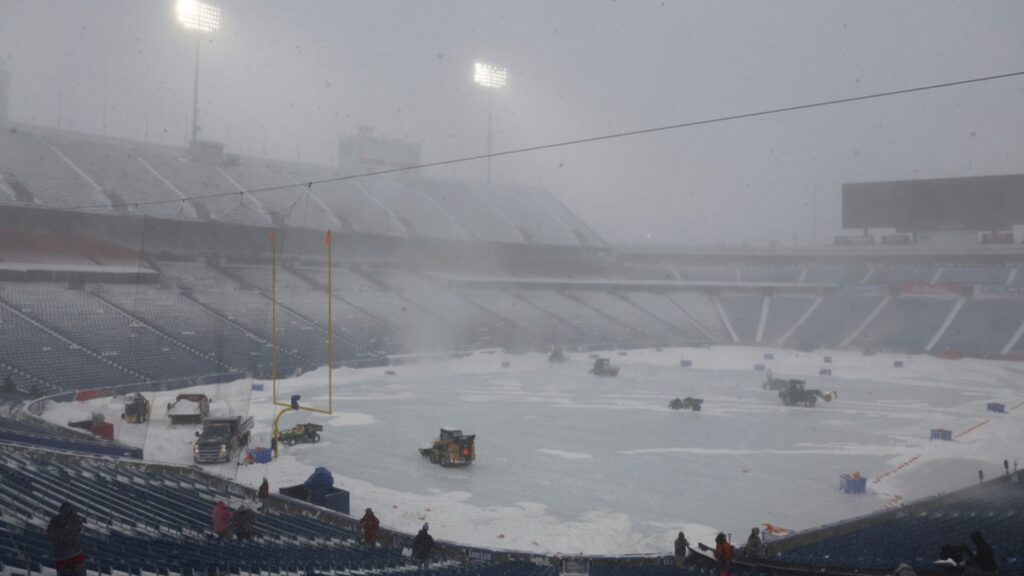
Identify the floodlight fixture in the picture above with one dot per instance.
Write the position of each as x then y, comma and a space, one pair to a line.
490, 76
201, 18
198, 16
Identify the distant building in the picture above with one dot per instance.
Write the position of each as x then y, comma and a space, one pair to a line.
364, 153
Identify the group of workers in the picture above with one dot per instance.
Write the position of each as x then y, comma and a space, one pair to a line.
724, 551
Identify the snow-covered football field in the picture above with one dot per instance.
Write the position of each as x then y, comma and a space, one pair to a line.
569, 462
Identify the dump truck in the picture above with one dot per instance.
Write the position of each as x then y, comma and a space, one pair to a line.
686, 403
188, 409
452, 448
301, 434
221, 439
603, 367
136, 409
795, 394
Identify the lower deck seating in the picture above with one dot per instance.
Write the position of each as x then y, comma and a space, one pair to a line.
139, 518
917, 534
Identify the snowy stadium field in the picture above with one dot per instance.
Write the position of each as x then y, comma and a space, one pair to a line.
573, 463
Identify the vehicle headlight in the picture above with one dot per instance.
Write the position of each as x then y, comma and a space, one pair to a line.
223, 448
195, 448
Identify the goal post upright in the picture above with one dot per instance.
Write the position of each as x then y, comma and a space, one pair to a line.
330, 325
286, 406
273, 314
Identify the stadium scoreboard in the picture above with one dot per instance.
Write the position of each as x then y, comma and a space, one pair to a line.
972, 203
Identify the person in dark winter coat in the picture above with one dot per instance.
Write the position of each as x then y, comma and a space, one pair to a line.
682, 548
983, 558
264, 491
423, 546
754, 547
318, 485
65, 535
370, 525
245, 523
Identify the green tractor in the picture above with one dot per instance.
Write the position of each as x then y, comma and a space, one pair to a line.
795, 394
301, 434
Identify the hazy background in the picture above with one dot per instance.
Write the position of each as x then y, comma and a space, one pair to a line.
285, 79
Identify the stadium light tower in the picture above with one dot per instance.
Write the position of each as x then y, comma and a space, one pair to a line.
492, 78
201, 19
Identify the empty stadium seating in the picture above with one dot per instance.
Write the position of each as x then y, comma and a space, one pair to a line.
907, 324
666, 310
189, 322
783, 314
835, 319
55, 359
701, 308
205, 318
744, 313
157, 519
60, 169
109, 331
530, 326
916, 534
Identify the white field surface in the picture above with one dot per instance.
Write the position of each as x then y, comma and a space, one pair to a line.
573, 463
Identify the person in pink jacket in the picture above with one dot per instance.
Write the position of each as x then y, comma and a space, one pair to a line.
221, 520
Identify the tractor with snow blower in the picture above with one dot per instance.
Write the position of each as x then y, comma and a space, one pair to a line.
136, 409
452, 448
796, 394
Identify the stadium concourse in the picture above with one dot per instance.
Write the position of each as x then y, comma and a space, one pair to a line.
110, 276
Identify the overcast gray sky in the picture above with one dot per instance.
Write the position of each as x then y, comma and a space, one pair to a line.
290, 77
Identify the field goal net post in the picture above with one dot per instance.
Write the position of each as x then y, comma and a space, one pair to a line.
293, 404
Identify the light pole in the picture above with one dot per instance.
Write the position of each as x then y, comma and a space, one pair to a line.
492, 78
201, 19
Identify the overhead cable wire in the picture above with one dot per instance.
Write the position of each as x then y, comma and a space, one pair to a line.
567, 143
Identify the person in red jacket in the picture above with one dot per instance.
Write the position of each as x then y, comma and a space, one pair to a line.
724, 552
370, 525
221, 520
